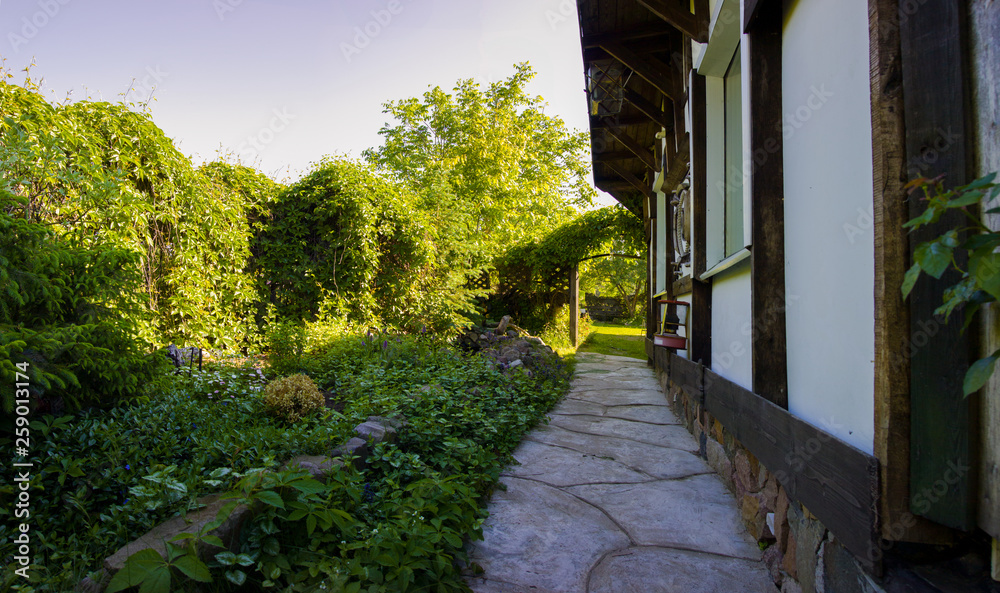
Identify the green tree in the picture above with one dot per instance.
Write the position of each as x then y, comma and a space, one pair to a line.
514, 172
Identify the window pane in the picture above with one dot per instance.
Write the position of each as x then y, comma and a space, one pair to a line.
734, 158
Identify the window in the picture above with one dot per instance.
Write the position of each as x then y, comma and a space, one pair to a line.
733, 154
725, 232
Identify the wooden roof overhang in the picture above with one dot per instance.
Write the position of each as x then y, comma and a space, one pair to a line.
636, 55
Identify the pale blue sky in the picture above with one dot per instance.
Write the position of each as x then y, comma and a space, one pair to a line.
275, 71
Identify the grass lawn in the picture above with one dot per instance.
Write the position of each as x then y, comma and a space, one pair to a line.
615, 339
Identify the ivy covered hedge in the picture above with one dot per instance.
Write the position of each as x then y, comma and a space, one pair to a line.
534, 276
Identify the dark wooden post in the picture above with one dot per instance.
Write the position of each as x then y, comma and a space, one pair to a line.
934, 77
574, 305
770, 373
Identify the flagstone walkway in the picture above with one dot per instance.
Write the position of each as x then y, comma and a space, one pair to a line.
611, 496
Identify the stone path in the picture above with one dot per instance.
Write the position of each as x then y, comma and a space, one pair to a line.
611, 497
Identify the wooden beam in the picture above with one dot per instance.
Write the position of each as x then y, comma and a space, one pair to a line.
700, 337
942, 420
649, 69
613, 184
689, 376
616, 155
680, 17
642, 47
631, 34
892, 320
751, 8
682, 286
603, 122
838, 483
634, 181
678, 167
769, 356
649, 109
574, 305
630, 143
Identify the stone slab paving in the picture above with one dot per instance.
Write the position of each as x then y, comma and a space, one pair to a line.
611, 497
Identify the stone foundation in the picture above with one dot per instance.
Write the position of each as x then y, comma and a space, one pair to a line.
801, 554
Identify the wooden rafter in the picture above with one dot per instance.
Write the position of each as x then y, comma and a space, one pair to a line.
648, 68
642, 47
630, 177
631, 34
693, 25
633, 146
648, 108
616, 155
617, 121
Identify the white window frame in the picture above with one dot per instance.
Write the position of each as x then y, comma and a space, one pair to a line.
714, 61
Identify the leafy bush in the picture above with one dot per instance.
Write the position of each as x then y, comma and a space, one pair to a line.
62, 312
105, 176
292, 398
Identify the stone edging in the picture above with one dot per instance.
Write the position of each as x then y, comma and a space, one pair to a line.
374, 430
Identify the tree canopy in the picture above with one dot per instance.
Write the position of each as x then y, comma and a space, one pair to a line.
513, 172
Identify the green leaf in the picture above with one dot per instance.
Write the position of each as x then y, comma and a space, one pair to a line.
194, 569
966, 199
236, 577
137, 567
271, 547
933, 257
910, 279
271, 498
979, 373
929, 215
158, 581
982, 240
213, 540
980, 183
244, 560
226, 558
308, 486
986, 270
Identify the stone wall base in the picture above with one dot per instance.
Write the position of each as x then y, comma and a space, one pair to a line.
801, 554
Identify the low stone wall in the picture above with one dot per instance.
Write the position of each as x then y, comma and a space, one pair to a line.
801, 554
375, 429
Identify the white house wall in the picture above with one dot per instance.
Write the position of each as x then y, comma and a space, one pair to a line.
829, 243
731, 325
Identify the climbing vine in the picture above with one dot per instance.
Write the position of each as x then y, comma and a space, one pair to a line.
534, 275
975, 243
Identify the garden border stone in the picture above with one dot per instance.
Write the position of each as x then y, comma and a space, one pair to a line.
374, 430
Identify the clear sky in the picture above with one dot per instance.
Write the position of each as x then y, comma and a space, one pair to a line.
284, 82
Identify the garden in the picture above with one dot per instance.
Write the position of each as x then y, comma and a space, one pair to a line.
368, 288
102, 479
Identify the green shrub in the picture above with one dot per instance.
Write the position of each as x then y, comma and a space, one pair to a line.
292, 398
63, 313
